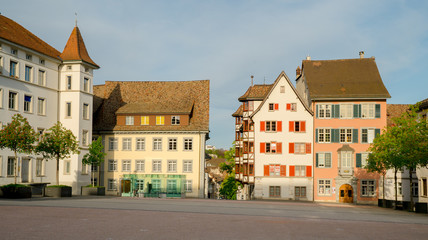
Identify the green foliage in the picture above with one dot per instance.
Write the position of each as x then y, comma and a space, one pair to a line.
14, 186
58, 186
229, 186
218, 152
57, 143
18, 136
95, 156
229, 165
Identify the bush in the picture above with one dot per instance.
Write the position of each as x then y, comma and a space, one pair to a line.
60, 186
14, 186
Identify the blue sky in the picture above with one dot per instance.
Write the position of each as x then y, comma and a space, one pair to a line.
228, 41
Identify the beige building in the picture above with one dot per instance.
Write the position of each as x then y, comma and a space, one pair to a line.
154, 135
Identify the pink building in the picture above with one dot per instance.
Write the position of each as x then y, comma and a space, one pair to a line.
348, 99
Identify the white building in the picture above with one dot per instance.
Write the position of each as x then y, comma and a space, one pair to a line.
45, 86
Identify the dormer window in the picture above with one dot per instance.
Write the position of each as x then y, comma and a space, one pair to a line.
42, 61
160, 120
28, 57
129, 120
175, 120
145, 120
14, 51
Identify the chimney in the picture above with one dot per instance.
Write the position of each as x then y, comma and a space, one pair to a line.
308, 57
361, 54
298, 71
252, 78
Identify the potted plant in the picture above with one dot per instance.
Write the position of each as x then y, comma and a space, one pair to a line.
16, 191
57, 143
94, 158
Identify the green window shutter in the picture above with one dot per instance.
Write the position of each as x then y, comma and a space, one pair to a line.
355, 135
356, 113
316, 160
359, 110
358, 161
316, 135
327, 156
336, 110
317, 110
376, 132
335, 135
377, 110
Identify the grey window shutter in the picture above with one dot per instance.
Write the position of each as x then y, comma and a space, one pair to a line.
377, 110
358, 161
335, 133
317, 110
316, 135
329, 157
336, 110
316, 160
355, 135
356, 112
376, 132
359, 110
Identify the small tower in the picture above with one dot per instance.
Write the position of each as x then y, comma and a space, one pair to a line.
75, 103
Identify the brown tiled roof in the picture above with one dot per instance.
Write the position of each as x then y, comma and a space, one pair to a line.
164, 107
344, 78
13, 32
256, 92
395, 110
238, 112
75, 49
116, 95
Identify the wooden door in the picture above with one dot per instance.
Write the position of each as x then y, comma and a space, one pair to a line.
346, 194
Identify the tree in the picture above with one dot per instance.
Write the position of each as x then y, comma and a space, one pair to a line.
57, 143
229, 186
95, 156
19, 137
412, 139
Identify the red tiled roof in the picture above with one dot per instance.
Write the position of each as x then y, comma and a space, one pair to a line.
75, 49
112, 96
238, 112
13, 32
256, 92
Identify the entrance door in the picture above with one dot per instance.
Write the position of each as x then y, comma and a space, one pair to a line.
24, 170
346, 194
125, 186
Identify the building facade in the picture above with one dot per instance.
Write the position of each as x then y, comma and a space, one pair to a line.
45, 86
348, 99
154, 134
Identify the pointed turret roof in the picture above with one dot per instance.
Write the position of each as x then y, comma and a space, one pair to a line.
75, 49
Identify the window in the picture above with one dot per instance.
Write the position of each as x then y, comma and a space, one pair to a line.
112, 185
172, 165
140, 166
274, 170
270, 126
172, 144
84, 169
112, 165
188, 186
368, 110
400, 189
368, 188
324, 111
68, 109
41, 106
324, 187
324, 135
293, 107
28, 104
126, 165
69, 67
160, 120
188, 144
187, 166
127, 144
42, 77
300, 148
156, 166
424, 189
1, 98
274, 191
129, 120
28, 57
271, 106
364, 157
368, 134
85, 137
415, 189
13, 100
140, 185
13, 71
300, 171
94, 168
140, 144
171, 185
346, 135
86, 84
157, 144
10, 166
297, 126
323, 160
346, 110
112, 144
68, 83
42, 61
14, 51
271, 147
40, 167
346, 159
175, 120
300, 191
145, 120
282, 89
28, 73
67, 167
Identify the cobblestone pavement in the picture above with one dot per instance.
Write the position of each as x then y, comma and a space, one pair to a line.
136, 218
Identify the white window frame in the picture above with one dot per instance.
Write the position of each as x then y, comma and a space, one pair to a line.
42, 77
145, 120
140, 144
140, 165
156, 165
324, 187
112, 165
368, 110
68, 110
1, 97
346, 159
271, 126
324, 111
347, 134
86, 84
187, 166
160, 120
111, 184
324, 135
126, 144
346, 111
13, 100
113, 144
68, 82
85, 111
129, 120
126, 165
67, 167
85, 138
299, 148
175, 120
10, 171
368, 188
172, 144
188, 144
41, 106
323, 159
28, 105
188, 185
364, 157
30, 74
40, 167
157, 144
172, 166
370, 132
300, 171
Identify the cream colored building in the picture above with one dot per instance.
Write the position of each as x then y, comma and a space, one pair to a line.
154, 135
